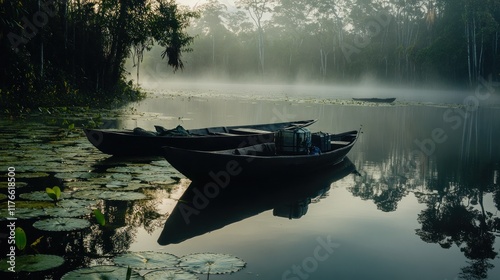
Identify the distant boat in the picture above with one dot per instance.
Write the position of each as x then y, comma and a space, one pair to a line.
139, 142
257, 161
376, 100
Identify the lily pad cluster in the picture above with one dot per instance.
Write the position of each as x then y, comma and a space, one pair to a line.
61, 224
32, 263
42, 153
161, 265
49, 150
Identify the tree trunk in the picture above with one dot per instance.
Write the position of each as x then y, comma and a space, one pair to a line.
41, 45
261, 49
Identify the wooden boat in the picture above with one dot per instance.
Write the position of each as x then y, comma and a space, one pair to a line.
255, 162
287, 197
139, 142
376, 100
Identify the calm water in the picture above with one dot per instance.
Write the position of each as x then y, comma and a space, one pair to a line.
418, 197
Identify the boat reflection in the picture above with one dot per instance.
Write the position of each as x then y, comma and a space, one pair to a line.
203, 209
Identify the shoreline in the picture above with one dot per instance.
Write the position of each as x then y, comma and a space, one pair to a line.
278, 96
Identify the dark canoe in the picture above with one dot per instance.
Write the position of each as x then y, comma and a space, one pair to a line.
376, 100
203, 209
130, 143
255, 162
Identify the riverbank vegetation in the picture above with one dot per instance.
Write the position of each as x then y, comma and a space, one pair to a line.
74, 52
60, 53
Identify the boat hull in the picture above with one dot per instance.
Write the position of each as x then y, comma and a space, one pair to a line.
225, 166
128, 143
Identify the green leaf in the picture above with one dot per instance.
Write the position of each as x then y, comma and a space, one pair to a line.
32, 263
61, 224
54, 193
99, 217
147, 260
129, 273
100, 272
20, 238
211, 263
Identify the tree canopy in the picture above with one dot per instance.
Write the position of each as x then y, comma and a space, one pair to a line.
52, 50
405, 42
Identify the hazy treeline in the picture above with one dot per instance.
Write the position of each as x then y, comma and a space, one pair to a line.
61, 52
398, 41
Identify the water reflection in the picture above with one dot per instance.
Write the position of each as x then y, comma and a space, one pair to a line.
456, 185
196, 214
460, 212
462, 199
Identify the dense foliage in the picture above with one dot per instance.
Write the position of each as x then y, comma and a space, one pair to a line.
409, 42
73, 51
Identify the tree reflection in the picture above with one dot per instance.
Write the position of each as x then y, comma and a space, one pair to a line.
385, 183
462, 199
456, 215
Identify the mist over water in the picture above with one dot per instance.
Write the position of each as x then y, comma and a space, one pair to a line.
392, 219
299, 91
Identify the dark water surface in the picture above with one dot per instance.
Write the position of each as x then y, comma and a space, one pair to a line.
417, 198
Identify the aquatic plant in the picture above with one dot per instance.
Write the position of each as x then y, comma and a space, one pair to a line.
54, 193
20, 238
101, 272
32, 263
170, 274
109, 195
99, 217
211, 263
61, 224
44, 195
147, 260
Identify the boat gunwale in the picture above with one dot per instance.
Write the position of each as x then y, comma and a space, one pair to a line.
130, 132
228, 153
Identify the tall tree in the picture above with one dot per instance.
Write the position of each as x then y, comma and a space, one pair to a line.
168, 29
291, 20
257, 9
211, 24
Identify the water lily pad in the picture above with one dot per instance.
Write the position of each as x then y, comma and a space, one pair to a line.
18, 184
161, 163
121, 176
67, 212
124, 169
114, 184
31, 175
22, 213
41, 196
76, 203
160, 179
31, 263
61, 224
147, 260
170, 275
211, 263
122, 196
73, 175
109, 195
87, 185
100, 272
